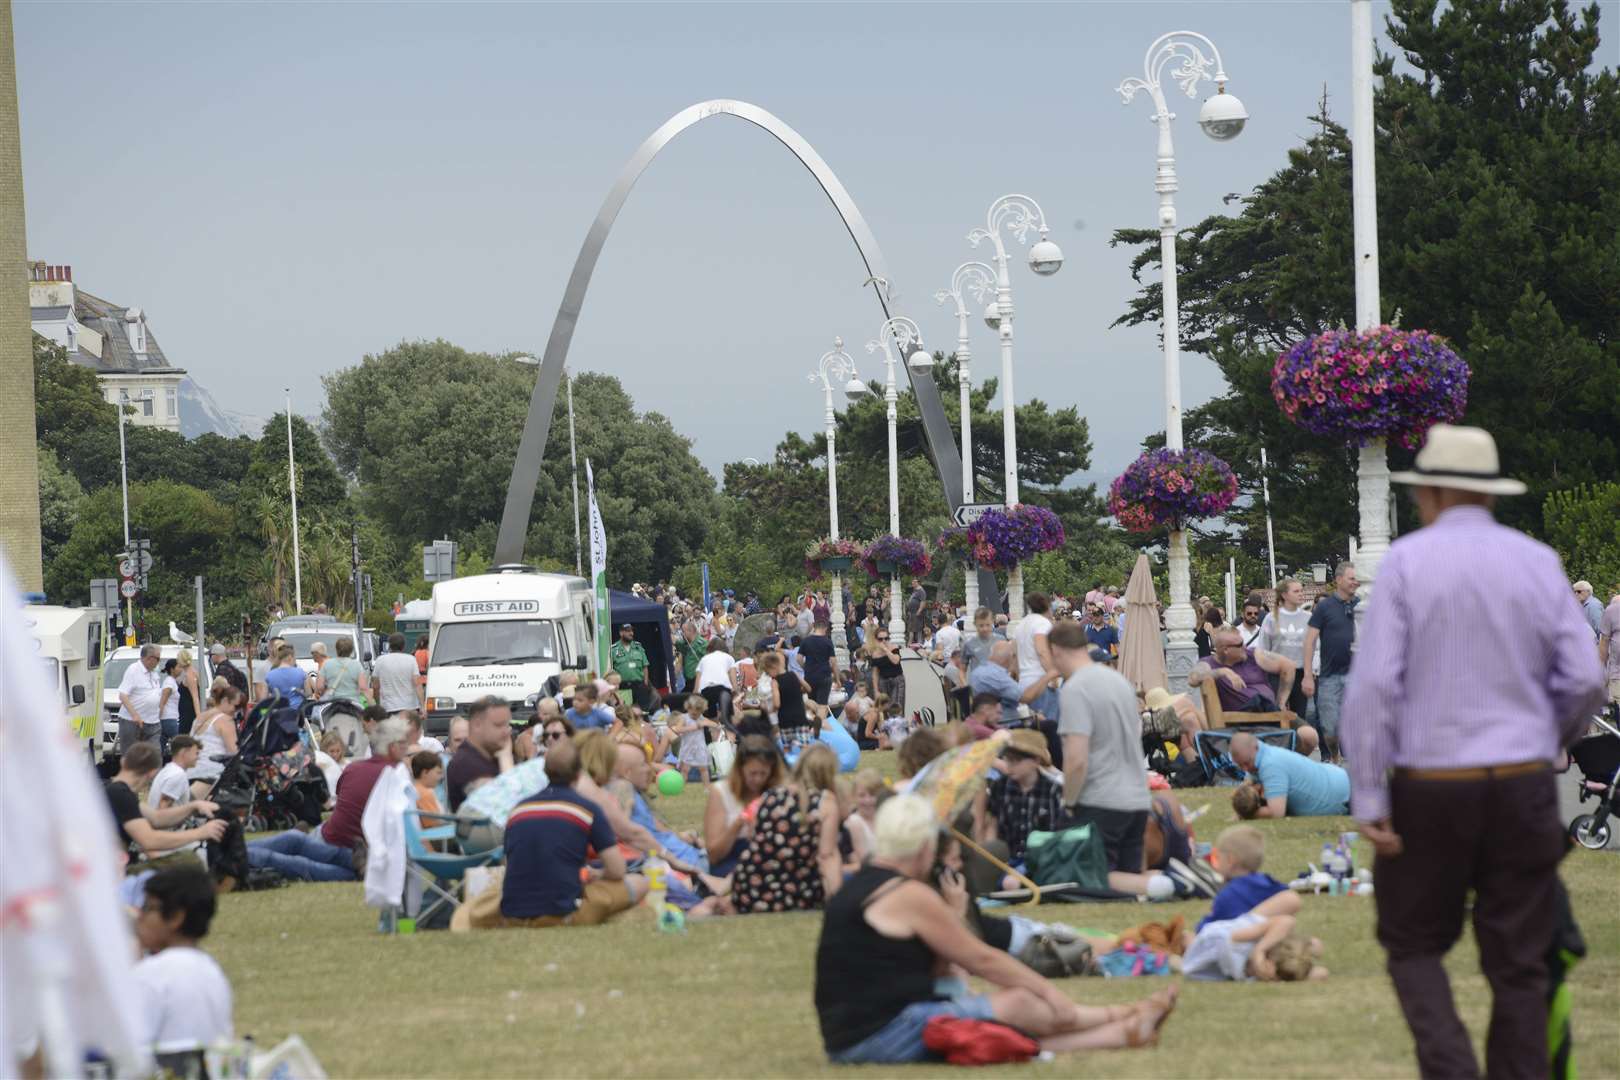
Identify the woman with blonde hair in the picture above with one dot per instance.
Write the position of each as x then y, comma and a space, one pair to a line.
215, 729
632, 729
598, 755
793, 862
185, 674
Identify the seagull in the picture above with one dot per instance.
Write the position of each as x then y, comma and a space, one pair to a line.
179, 636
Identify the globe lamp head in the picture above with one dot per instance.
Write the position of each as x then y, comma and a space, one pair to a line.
1045, 258
920, 360
1222, 116
854, 390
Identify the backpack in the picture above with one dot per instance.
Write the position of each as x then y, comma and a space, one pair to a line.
1076, 854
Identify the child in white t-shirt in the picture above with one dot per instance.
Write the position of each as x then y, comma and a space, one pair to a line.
183, 997
171, 786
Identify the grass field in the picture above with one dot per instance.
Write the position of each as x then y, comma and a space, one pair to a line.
732, 997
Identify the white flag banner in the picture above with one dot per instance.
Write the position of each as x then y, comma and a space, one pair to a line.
598, 533
599, 573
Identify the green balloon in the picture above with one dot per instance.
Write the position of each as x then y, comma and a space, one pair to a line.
671, 782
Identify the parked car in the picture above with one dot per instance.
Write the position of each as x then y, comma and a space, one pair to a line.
119, 662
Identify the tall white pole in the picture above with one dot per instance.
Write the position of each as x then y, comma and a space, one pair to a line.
980, 279
123, 482
1372, 467
1271, 545
897, 624
573, 457
836, 366
1183, 48
1020, 214
292, 490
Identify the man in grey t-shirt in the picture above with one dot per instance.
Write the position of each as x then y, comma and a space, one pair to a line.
1104, 774
396, 677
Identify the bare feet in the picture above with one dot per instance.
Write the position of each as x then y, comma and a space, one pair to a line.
719, 886
1151, 1014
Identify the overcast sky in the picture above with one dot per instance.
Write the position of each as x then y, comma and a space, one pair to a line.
285, 188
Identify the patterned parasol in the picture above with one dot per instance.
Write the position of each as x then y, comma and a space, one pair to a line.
951, 780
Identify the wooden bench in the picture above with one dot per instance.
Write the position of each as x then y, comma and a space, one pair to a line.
1216, 717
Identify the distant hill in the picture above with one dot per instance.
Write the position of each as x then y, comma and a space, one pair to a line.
200, 414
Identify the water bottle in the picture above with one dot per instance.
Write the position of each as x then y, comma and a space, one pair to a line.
667, 918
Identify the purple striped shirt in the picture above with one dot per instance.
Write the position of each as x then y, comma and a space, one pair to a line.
1471, 655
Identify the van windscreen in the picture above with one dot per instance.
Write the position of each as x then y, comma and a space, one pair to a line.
502, 641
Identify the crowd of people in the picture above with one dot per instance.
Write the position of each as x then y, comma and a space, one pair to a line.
570, 794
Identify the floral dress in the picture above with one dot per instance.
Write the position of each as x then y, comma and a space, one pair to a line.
780, 870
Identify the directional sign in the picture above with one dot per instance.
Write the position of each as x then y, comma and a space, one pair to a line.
127, 589
146, 560
968, 513
126, 568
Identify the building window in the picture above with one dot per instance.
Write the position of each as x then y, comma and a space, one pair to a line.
148, 398
173, 401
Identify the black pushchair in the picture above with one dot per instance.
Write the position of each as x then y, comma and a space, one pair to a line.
1598, 759
272, 782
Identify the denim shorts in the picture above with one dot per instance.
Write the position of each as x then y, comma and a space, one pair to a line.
901, 1039
1329, 700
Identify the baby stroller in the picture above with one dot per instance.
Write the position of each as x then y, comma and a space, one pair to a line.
1598, 758
272, 778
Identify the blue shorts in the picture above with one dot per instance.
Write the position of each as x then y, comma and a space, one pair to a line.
901, 1039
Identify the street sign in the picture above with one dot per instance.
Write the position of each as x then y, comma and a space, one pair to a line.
104, 592
145, 556
127, 589
968, 513
126, 568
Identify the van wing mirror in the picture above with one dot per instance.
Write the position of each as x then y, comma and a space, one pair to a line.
78, 695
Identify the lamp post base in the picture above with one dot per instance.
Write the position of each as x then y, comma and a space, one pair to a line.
1372, 497
840, 638
897, 622
1015, 595
970, 589
1180, 653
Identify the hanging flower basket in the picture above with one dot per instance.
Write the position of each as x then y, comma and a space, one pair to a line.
1163, 488
1357, 386
1004, 538
888, 553
830, 556
953, 542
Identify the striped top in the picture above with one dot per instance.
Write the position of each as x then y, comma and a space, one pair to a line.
550, 836
1471, 655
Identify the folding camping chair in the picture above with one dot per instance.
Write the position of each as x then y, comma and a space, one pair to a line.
1214, 752
435, 870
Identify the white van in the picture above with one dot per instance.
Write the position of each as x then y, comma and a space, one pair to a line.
70, 642
504, 634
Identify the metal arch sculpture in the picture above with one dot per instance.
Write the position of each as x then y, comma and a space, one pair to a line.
531, 447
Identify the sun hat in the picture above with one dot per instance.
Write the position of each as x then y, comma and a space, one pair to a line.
1158, 698
1030, 743
1463, 458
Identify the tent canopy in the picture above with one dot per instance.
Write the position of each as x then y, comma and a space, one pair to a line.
650, 622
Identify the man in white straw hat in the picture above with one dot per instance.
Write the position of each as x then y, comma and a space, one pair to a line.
1451, 722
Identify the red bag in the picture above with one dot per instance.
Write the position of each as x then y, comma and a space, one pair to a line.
977, 1042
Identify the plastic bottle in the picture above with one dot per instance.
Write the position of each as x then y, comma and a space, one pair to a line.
655, 869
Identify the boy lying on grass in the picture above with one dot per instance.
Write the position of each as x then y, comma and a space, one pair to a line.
1249, 932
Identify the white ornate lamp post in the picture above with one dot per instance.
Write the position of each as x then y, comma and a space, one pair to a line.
1221, 117
980, 280
1372, 467
836, 366
1018, 214
898, 333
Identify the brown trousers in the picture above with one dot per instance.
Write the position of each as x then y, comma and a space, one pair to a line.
1500, 838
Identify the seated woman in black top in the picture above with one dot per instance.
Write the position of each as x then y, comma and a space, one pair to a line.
887, 933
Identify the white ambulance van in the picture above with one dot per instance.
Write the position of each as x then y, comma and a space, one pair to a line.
504, 634
70, 642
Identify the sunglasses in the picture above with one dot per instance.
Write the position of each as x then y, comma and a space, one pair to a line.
883, 637
555, 736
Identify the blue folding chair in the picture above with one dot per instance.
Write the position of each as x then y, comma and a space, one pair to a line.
441, 873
